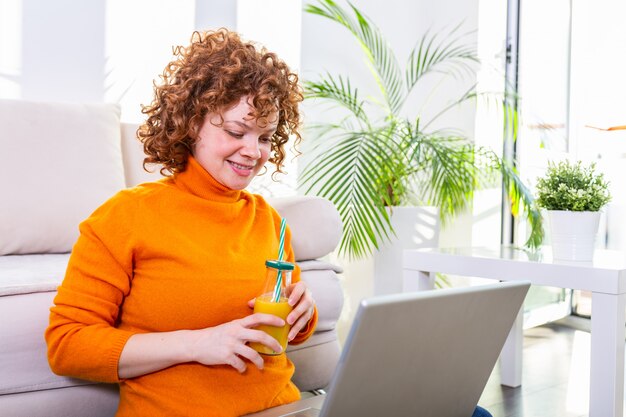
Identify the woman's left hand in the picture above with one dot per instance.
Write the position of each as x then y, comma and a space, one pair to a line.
301, 299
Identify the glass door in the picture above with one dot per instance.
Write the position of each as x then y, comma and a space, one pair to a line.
543, 89
598, 112
571, 92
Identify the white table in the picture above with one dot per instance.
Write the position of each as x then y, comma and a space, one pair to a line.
605, 277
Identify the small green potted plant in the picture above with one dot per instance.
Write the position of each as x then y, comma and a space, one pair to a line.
573, 195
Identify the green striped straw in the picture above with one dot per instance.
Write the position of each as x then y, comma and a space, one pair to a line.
281, 250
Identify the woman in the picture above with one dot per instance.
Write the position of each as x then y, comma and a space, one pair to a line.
159, 290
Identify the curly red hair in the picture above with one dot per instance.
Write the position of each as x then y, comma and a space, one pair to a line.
208, 76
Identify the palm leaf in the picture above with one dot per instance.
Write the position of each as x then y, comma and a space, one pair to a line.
384, 65
520, 195
338, 91
344, 176
452, 174
449, 55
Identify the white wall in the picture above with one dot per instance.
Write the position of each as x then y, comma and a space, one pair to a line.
56, 49
96, 50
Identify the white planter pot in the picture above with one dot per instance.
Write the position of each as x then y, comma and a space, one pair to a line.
573, 234
415, 227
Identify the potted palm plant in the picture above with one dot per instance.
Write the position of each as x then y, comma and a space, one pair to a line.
375, 157
573, 195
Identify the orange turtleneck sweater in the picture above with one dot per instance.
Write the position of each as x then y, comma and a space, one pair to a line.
184, 252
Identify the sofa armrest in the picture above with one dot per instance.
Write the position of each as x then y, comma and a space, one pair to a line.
314, 222
321, 278
315, 360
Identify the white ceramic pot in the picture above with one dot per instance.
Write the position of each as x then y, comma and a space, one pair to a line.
573, 234
415, 227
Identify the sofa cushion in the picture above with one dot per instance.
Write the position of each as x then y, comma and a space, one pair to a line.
322, 280
94, 400
64, 161
24, 360
311, 372
314, 222
23, 274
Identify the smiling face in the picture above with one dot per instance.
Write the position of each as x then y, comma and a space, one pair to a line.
234, 146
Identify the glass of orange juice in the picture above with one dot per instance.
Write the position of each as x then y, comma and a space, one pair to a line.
273, 300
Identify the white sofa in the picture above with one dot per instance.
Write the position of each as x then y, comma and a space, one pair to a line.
61, 161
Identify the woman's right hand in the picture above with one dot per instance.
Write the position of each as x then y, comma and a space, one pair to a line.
227, 344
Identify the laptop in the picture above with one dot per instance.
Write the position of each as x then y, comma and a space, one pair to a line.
426, 354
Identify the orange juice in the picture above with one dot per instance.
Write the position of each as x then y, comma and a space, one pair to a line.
264, 304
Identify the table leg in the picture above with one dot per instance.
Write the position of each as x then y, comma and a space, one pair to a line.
417, 280
606, 394
511, 355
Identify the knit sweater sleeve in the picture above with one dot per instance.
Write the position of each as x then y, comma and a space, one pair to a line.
82, 339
